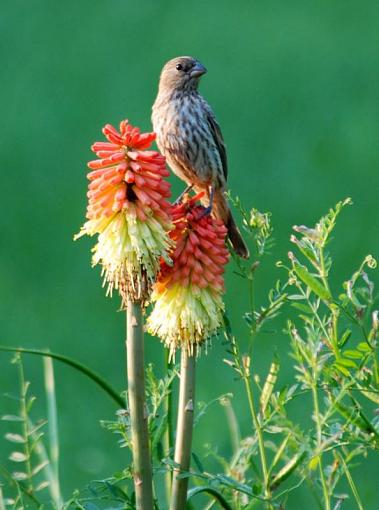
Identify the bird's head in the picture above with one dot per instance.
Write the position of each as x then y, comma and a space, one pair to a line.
181, 73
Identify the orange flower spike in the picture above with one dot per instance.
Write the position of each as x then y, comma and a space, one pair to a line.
188, 295
127, 208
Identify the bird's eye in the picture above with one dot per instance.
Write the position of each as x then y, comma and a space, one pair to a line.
179, 67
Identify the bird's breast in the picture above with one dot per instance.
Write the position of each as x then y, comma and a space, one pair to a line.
185, 138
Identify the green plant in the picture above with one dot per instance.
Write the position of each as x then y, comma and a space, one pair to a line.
333, 335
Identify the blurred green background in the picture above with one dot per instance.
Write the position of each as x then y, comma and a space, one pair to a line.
295, 86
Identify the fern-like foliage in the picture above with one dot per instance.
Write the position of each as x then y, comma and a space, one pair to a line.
32, 473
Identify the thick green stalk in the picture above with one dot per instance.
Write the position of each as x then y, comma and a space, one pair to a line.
167, 436
184, 430
138, 413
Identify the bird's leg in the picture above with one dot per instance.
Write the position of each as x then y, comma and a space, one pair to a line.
208, 210
180, 197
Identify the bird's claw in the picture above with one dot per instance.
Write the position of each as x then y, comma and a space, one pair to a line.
181, 196
179, 200
205, 212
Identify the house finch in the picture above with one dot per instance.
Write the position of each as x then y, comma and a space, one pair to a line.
190, 138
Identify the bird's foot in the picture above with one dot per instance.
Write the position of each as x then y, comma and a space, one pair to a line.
205, 212
180, 197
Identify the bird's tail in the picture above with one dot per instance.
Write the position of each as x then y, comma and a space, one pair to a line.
222, 210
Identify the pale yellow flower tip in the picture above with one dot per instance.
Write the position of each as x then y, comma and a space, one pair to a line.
185, 317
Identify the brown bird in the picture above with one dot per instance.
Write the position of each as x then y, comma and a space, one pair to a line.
190, 138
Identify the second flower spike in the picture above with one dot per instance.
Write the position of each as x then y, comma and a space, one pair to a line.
188, 294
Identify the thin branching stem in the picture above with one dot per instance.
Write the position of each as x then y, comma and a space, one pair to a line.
142, 470
319, 445
353, 487
323, 273
258, 428
250, 397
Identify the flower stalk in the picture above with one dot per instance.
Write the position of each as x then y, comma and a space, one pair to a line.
184, 430
142, 470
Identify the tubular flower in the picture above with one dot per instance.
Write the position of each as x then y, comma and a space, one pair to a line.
188, 294
127, 208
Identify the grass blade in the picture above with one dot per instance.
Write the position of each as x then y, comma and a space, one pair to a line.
212, 492
52, 424
74, 364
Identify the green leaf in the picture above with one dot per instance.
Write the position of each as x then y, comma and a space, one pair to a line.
296, 297
356, 416
116, 491
91, 506
345, 337
371, 395
348, 363
41, 486
353, 354
35, 428
11, 417
18, 457
268, 386
198, 463
364, 347
342, 369
313, 283
212, 492
288, 469
19, 476
14, 438
302, 307
39, 467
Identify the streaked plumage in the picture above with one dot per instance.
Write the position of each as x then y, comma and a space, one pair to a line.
191, 140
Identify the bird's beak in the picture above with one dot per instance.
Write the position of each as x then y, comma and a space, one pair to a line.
197, 70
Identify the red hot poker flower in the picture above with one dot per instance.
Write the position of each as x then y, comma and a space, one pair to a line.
188, 294
128, 208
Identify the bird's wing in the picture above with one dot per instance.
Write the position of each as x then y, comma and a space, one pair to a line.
219, 141
178, 148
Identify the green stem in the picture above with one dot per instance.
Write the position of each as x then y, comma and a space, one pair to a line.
353, 487
319, 445
184, 430
167, 436
323, 274
54, 486
261, 446
142, 470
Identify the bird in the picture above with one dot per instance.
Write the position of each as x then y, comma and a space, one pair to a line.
190, 138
